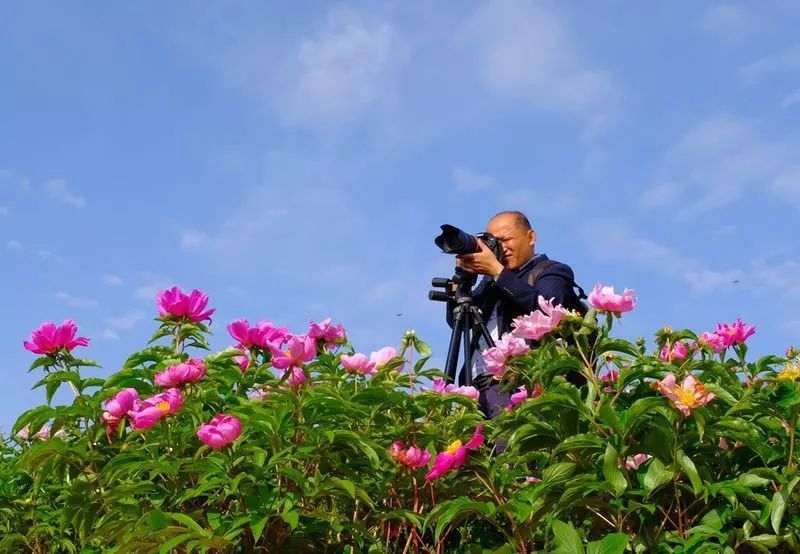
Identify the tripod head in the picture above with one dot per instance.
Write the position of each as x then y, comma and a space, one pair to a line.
455, 288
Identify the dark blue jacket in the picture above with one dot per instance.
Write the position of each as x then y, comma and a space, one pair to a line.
517, 297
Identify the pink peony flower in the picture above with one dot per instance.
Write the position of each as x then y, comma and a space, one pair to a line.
243, 361
42, 434
299, 349
49, 338
188, 372
735, 333
383, 356
296, 378
522, 395
532, 480
358, 363
689, 395
716, 342
118, 407
633, 462
539, 322
331, 335
678, 352
604, 299
609, 377
175, 303
455, 455
259, 336
508, 346
413, 456
151, 410
220, 431
440, 386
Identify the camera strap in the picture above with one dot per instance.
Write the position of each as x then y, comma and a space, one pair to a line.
542, 267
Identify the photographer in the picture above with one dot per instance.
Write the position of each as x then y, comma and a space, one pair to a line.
509, 289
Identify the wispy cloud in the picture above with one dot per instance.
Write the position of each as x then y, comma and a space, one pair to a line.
108, 334
786, 60
57, 189
151, 283
728, 22
13, 245
467, 180
112, 280
526, 53
126, 321
75, 301
4, 210
11, 180
791, 99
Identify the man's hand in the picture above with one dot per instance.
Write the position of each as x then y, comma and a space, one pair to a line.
483, 262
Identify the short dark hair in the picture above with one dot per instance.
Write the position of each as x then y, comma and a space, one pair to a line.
520, 219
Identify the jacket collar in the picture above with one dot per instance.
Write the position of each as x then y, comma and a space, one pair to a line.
532, 262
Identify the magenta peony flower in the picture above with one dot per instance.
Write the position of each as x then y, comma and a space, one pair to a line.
522, 395
358, 363
49, 338
716, 342
539, 322
689, 395
118, 407
262, 335
455, 455
220, 431
633, 462
413, 456
297, 376
175, 303
735, 333
609, 377
508, 346
331, 335
442, 387
678, 352
243, 361
176, 375
604, 299
299, 349
383, 356
151, 410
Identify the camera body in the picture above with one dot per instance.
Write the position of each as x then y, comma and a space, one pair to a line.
455, 241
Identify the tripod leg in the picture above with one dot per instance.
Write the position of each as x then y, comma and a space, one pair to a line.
478, 322
451, 365
467, 342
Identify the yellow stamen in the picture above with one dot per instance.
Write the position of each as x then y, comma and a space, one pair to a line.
453, 448
163, 406
686, 397
790, 372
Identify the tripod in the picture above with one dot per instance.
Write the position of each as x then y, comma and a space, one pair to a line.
468, 324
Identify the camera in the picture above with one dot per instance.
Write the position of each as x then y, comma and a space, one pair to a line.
455, 241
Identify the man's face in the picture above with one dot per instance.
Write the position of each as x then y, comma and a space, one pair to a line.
517, 242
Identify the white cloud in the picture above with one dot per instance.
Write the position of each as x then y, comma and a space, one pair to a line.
112, 280
467, 180
75, 301
151, 284
786, 60
3, 210
109, 334
787, 184
791, 98
14, 245
659, 196
57, 189
727, 21
125, 321
381, 291
192, 238
43, 254
9, 179
525, 53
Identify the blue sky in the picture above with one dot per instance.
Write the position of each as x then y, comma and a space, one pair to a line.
296, 159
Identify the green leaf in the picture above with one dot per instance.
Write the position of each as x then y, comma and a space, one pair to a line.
189, 523
422, 348
615, 543
657, 475
558, 472
638, 409
612, 472
777, 507
257, 524
566, 538
43, 361
175, 542
608, 415
691, 471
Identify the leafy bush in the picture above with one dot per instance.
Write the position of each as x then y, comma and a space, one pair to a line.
296, 443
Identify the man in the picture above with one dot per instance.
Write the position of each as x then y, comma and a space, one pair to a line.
512, 288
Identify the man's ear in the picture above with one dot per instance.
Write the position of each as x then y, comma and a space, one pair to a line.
531, 237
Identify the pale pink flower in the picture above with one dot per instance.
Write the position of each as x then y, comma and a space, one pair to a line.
413, 456
220, 431
151, 410
191, 306
261, 335
358, 363
331, 335
49, 338
689, 395
677, 352
187, 372
716, 342
532, 480
42, 434
299, 350
522, 395
633, 462
383, 356
508, 346
604, 299
455, 455
735, 333
440, 386
539, 322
